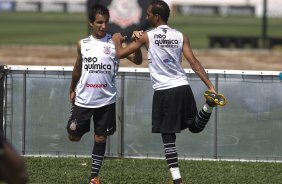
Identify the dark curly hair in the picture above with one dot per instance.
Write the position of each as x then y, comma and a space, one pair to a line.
161, 8
97, 9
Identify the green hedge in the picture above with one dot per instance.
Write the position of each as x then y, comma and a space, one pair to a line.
67, 28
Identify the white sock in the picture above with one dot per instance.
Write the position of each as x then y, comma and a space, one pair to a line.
175, 173
207, 108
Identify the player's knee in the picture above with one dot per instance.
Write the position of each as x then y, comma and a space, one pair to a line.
74, 138
22, 177
195, 129
100, 138
17, 174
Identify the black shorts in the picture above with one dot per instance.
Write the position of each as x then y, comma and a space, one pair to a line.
104, 119
2, 140
1, 145
173, 109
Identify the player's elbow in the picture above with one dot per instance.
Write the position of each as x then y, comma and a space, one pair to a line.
138, 60
120, 55
195, 65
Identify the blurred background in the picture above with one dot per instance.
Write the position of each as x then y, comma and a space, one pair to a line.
209, 23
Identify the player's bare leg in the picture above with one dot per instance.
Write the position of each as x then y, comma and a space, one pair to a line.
12, 167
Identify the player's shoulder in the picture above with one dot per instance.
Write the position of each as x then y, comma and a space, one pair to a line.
86, 40
173, 30
164, 28
150, 30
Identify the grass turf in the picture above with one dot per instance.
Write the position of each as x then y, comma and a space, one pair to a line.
151, 171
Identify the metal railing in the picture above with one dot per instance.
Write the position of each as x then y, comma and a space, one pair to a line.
36, 109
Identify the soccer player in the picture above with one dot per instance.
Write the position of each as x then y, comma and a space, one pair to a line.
93, 87
12, 167
174, 107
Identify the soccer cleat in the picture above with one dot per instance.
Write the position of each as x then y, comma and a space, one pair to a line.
213, 99
94, 181
178, 181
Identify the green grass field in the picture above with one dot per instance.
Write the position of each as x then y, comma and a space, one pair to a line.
151, 171
66, 28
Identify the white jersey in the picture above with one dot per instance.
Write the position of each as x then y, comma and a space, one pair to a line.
164, 57
96, 86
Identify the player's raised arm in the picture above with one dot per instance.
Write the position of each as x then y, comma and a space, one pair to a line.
130, 48
195, 64
135, 57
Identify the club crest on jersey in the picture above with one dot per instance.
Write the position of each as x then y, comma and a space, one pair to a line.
125, 13
107, 49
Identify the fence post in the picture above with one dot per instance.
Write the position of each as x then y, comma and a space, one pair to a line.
24, 114
120, 120
215, 121
2, 79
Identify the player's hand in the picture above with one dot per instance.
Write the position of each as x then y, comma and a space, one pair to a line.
117, 37
212, 89
72, 96
136, 35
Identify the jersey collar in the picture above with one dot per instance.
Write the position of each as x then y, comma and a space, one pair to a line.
105, 38
163, 26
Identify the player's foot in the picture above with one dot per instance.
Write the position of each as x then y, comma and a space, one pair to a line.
178, 181
94, 181
213, 99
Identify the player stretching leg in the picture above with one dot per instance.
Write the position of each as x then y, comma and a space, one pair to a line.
174, 107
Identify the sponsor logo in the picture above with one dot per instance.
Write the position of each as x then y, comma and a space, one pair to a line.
87, 50
90, 60
125, 13
164, 30
86, 40
99, 71
162, 41
109, 129
96, 85
170, 60
93, 67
